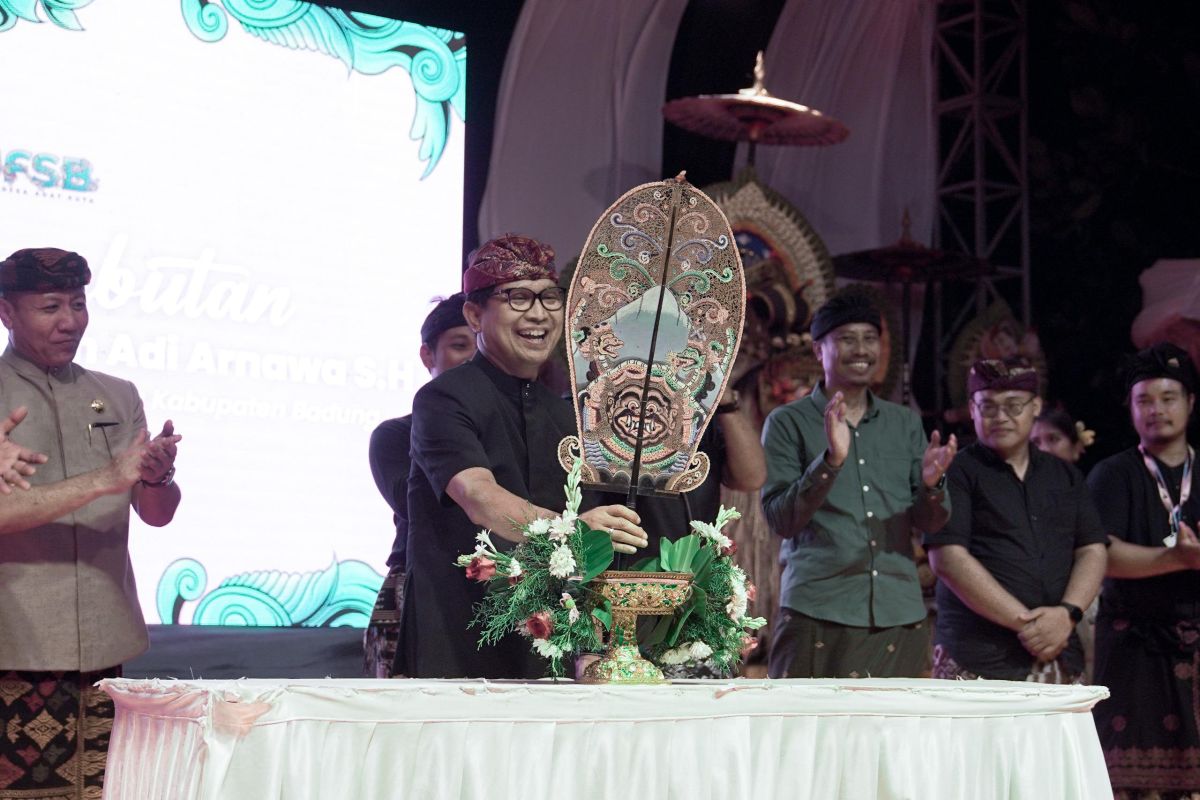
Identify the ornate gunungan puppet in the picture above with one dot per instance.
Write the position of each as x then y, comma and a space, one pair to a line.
653, 322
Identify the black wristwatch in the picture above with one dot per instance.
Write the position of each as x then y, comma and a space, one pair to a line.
1074, 611
732, 405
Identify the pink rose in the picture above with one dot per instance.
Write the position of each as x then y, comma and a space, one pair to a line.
751, 592
540, 625
729, 549
481, 569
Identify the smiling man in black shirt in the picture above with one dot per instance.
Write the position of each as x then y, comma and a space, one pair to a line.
485, 455
1023, 551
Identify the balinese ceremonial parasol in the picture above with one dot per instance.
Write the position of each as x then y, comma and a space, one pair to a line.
753, 115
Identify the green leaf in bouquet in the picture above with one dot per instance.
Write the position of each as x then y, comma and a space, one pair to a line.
677, 556
649, 564
596, 554
657, 634
603, 614
701, 564
680, 618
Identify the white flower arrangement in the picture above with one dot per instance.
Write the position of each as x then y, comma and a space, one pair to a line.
547, 649
561, 527
688, 651
562, 561
739, 600
712, 531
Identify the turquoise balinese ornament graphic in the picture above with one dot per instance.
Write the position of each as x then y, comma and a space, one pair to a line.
60, 12
435, 59
341, 595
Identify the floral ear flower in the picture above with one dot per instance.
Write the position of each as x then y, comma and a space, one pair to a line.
1086, 437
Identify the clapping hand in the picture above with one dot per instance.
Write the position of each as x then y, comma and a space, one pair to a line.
937, 458
160, 453
16, 462
837, 430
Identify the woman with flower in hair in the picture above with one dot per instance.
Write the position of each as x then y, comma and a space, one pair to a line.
1056, 433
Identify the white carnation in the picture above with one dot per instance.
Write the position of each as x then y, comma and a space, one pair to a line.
539, 527
562, 527
738, 600
514, 568
562, 561
676, 655
547, 649
700, 651
709, 531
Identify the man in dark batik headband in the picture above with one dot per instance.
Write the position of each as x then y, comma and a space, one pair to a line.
849, 477
446, 342
1023, 552
484, 445
1148, 629
69, 611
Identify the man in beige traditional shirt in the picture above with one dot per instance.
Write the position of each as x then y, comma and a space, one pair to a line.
69, 612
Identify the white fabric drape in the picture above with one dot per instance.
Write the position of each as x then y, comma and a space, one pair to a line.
700, 740
577, 117
869, 64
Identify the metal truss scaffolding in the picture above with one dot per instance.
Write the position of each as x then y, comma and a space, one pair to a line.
982, 194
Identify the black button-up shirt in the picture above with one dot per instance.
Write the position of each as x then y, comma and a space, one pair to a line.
1023, 532
1127, 497
474, 415
390, 465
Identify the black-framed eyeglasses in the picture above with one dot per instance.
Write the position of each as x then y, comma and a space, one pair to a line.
519, 299
1012, 408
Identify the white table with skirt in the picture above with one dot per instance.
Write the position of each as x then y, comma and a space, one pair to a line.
446, 740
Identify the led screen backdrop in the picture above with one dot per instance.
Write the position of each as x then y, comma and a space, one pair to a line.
269, 194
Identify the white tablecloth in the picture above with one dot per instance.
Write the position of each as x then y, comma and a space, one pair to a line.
769, 740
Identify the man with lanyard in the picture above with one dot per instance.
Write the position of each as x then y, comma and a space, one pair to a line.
484, 446
1148, 629
1023, 552
446, 342
69, 611
849, 476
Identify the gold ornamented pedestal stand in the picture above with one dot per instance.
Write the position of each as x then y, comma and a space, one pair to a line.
633, 594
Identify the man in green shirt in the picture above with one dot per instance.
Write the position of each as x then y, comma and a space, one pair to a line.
849, 476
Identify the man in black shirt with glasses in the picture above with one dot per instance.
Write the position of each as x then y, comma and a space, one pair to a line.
1023, 551
484, 446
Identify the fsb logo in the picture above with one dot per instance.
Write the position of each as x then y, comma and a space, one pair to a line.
48, 171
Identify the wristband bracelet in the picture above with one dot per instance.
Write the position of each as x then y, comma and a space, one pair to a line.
163, 482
